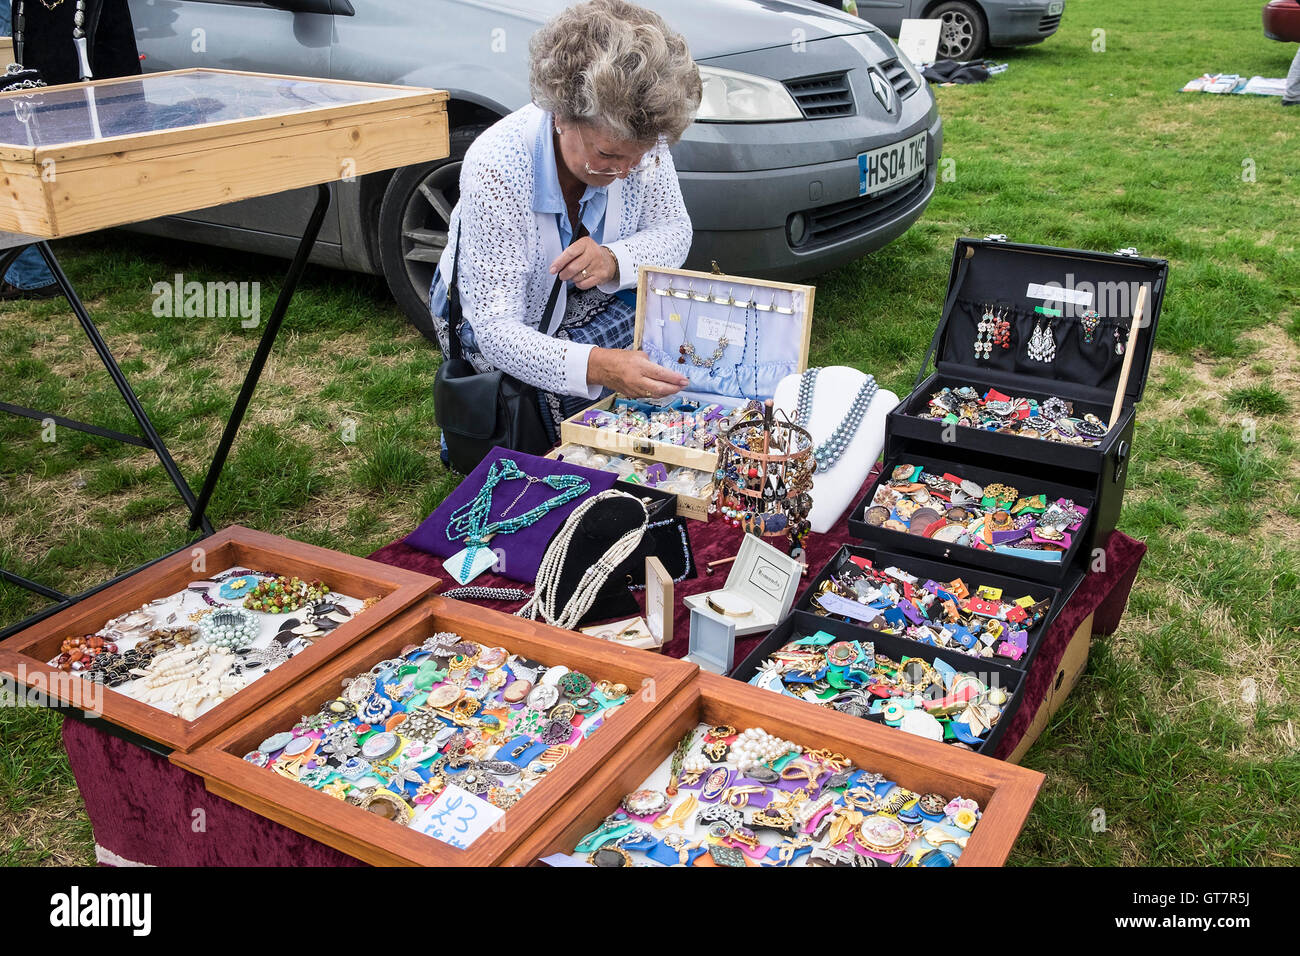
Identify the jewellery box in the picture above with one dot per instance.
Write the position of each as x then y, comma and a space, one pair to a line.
850, 558
693, 504
25, 655
654, 682
759, 591
1004, 792
735, 338
801, 624
1094, 296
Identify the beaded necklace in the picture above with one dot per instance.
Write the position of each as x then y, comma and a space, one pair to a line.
829, 452
470, 521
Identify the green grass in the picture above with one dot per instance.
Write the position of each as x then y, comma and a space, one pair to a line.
1182, 735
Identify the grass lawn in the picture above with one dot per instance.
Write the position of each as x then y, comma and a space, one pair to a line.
1182, 737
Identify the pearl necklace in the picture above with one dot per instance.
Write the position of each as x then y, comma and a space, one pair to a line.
829, 452
593, 579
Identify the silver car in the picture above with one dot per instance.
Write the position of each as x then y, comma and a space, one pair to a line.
816, 141
970, 27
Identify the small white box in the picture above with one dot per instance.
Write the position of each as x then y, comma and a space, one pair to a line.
762, 576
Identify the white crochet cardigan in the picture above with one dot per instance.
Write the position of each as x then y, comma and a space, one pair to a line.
508, 249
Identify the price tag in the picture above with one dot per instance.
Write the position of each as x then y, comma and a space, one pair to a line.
457, 817
839, 605
710, 329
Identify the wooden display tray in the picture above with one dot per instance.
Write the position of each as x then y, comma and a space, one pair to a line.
572, 431
655, 681
24, 655
6, 51
1005, 792
688, 506
112, 181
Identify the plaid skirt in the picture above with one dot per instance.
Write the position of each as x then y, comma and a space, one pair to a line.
591, 317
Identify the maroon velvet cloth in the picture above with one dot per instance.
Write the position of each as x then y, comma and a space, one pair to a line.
145, 810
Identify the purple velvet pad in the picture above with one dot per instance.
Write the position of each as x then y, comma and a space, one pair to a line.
523, 550
1006, 537
909, 611
656, 473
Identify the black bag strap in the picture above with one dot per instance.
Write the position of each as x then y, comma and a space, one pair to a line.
932, 353
454, 314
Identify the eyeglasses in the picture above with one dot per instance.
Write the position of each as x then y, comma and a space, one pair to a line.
646, 162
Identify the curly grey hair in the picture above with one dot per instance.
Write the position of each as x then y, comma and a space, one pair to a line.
618, 66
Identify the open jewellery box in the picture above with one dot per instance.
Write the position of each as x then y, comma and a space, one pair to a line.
655, 683
802, 624
1013, 280
1005, 792
734, 338
25, 655
1012, 589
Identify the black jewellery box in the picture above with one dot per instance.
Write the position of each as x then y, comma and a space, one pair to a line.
1013, 279
1012, 588
801, 624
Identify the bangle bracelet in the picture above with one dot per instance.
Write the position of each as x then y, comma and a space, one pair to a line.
614, 258
729, 605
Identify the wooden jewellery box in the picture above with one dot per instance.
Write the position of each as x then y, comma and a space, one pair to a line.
655, 682
735, 338
25, 655
1005, 793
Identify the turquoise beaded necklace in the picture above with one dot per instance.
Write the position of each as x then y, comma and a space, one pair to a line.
470, 521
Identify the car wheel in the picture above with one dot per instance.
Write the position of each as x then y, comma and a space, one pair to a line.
413, 220
963, 34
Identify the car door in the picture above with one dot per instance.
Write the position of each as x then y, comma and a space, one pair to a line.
238, 35
888, 14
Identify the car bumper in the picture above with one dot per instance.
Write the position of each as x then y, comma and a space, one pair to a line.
1023, 24
740, 219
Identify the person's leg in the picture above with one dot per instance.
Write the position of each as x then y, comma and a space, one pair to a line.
1291, 97
30, 274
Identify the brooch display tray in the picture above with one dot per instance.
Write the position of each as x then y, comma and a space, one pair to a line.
24, 656
1006, 793
655, 683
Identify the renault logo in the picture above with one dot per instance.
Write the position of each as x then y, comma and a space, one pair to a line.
884, 92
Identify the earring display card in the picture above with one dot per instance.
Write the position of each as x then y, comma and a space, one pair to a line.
446, 672
938, 694
639, 775
153, 608
760, 588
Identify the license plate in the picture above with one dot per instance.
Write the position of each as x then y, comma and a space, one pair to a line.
1055, 7
879, 169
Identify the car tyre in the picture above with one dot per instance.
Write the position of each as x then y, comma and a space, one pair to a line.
413, 218
964, 33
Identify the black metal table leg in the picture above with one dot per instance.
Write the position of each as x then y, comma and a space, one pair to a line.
199, 512
128, 394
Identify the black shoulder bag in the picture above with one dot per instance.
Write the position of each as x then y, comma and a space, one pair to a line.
478, 411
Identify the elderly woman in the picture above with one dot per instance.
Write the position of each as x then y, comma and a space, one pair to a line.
580, 185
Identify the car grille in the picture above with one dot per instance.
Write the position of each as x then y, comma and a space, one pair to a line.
821, 97
842, 220
898, 78
1049, 23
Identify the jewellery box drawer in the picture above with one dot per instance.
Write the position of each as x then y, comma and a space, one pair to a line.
903, 451
1012, 588
654, 682
1091, 458
802, 624
573, 432
688, 506
1005, 792
29, 650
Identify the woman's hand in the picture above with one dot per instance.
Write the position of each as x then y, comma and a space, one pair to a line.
586, 263
632, 374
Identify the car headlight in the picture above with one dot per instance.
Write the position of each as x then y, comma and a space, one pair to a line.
732, 97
